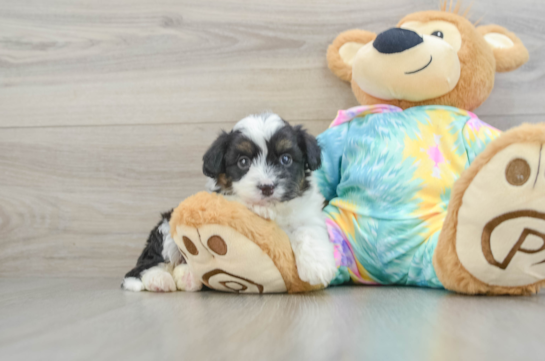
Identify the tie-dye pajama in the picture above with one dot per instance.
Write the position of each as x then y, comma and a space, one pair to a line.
388, 174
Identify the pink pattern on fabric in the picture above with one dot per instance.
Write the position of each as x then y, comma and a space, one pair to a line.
344, 116
435, 155
475, 124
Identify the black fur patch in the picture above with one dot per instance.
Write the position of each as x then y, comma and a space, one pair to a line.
220, 161
240, 146
152, 254
309, 146
213, 163
305, 153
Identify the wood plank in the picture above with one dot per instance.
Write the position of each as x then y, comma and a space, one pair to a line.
168, 62
81, 200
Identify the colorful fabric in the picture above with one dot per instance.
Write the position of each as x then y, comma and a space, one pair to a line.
387, 175
344, 116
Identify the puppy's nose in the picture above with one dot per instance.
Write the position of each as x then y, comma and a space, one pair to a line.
396, 40
266, 189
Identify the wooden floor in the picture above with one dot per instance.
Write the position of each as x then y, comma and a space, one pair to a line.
91, 319
106, 107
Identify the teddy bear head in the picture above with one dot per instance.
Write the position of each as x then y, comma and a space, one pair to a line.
429, 58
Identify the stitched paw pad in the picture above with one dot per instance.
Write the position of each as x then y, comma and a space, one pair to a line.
500, 236
225, 260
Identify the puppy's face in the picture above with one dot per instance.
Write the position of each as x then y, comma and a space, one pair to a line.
262, 160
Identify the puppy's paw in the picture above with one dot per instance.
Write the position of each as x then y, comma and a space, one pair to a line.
132, 284
185, 279
314, 273
314, 255
156, 279
315, 267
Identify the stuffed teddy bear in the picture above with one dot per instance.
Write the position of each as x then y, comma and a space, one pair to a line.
420, 191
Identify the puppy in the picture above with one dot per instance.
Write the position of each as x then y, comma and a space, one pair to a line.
265, 164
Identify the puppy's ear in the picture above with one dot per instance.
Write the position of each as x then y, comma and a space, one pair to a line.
213, 162
310, 148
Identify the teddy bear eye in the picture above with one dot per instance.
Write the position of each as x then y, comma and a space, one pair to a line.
438, 33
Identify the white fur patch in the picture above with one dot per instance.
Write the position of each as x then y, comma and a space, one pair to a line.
260, 128
185, 279
132, 284
211, 185
170, 253
259, 173
158, 279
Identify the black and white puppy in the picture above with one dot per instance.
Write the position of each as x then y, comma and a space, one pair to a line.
265, 164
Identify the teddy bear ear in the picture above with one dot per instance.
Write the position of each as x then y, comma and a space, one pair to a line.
509, 51
342, 51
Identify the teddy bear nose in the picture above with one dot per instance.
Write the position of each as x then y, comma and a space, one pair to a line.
266, 189
396, 40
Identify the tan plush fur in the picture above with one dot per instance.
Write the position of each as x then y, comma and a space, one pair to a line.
477, 60
334, 60
450, 271
204, 208
507, 59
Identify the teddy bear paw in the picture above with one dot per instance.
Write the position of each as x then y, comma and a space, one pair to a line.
499, 235
225, 260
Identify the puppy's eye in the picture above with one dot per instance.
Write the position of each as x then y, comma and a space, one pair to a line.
243, 163
285, 159
438, 33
